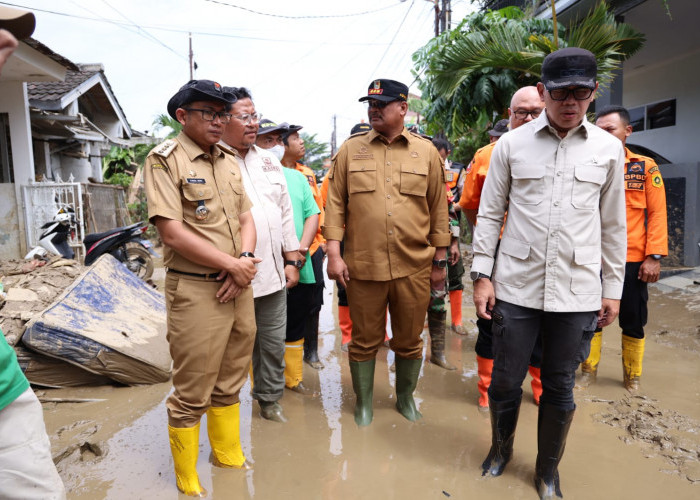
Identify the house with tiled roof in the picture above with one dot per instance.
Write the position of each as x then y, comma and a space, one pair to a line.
74, 124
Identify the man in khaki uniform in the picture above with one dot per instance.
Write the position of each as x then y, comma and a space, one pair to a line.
386, 196
197, 202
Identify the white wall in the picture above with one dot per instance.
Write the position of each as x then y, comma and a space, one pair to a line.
10, 232
13, 101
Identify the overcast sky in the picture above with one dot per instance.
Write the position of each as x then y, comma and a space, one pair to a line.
300, 69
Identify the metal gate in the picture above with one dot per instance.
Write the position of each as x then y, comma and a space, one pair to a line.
42, 201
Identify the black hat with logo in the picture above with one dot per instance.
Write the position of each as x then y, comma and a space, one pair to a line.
199, 90
360, 127
500, 128
268, 126
567, 67
386, 90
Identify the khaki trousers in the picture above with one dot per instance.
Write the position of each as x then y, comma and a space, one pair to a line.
407, 299
211, 345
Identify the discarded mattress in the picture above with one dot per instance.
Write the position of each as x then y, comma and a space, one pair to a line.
108, 322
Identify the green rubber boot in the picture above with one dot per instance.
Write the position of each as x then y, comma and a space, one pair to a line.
363, 384
407, 371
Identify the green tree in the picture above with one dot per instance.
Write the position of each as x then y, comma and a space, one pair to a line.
467, 75
316, 152
164, 121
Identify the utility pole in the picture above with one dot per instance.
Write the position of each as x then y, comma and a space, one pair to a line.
333, 136
443, 16
191, 60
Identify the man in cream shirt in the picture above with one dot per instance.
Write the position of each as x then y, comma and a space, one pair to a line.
560, 179
277, 246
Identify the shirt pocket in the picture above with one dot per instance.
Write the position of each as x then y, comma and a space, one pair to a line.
585, 193
585, 271
414, 179
362, 177
527, 184
635, 198
513, 262
196, 195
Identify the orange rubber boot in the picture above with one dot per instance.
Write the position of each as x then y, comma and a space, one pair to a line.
536, 384
456, 311
345, 324
484, 369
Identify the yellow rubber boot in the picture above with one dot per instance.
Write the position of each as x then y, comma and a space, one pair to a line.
589, 368
223, 427
293, 363
632, 355
184, 445
456, 312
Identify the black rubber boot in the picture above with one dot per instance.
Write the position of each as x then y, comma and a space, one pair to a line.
363, 384
504, 419
552, 428
311, 343
407, 371
436, 327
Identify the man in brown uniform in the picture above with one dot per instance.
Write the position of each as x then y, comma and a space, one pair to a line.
386, 196
197, 202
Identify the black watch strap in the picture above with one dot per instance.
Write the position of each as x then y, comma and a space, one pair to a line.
441, 263
248, 254
296, 263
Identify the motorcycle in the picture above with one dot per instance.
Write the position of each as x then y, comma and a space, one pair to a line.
127, 245
55, 235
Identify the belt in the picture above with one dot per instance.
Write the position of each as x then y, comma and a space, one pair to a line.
196, 275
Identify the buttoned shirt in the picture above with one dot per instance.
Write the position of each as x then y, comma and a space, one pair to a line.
566, 215
203, 190
645, 199
266, 186
388, 200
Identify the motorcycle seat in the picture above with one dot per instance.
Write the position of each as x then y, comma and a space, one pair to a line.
92, 238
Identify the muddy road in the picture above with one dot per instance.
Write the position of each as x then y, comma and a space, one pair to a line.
620, 447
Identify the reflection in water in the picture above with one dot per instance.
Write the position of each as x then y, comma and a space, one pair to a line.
246, 440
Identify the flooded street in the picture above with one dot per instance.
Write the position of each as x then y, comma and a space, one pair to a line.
620, 446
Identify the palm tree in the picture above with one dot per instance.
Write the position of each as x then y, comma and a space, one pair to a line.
165, 121
469, 74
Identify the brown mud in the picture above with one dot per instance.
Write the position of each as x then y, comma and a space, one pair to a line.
621, 446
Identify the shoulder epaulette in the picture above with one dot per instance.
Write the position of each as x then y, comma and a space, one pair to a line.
420, 136
165, 148
361, 132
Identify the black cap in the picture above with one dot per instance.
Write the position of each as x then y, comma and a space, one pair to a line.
360, 127
268, 126
569, 66
500, 128
20, 23
290, 129
199, 90
386, 90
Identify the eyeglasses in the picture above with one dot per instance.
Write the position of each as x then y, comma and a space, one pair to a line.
208, 115
579, 93
521, 114
371, 103
248, 118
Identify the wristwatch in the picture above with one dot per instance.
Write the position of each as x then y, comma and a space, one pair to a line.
247, 254
296, 263
656, 256
474, 275
441, 263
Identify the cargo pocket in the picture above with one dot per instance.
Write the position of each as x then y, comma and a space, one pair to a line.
527, 186
585, 193
498, 333
362, 177
414, 179
585, 271
513, 262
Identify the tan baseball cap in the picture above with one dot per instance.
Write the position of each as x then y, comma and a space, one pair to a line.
20, 23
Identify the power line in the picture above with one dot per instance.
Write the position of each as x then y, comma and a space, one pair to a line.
330, 16
185, 31
392, 40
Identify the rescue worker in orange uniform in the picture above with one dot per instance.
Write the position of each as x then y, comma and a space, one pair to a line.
525, 106
647, 243
294, 151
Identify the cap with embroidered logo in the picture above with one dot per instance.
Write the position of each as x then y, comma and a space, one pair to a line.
568, 67
386, 90
268, 126
199, 90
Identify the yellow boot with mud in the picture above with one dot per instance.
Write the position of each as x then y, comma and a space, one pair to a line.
184, 445
632, 356
223, 427
294, 367
589, 368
